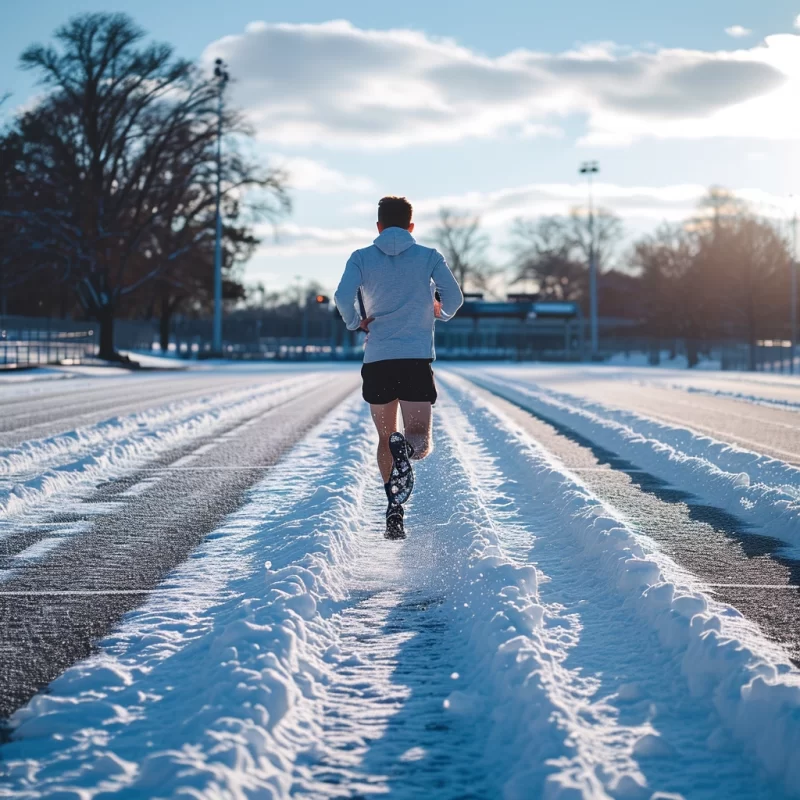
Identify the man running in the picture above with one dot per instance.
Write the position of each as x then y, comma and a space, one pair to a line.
395, 282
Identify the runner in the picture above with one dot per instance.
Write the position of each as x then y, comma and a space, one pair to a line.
394, 282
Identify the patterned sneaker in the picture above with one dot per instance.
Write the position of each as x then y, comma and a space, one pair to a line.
401, 481
394, 522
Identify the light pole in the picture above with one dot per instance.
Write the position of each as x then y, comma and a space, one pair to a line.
590, 169
793, 299
222, 77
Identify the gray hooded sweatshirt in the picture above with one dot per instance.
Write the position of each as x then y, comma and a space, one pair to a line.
397, 278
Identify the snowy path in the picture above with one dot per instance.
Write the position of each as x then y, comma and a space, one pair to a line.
761, 490
755, 415
521, 643
96, 517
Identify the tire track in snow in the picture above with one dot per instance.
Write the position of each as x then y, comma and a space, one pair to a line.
633, 724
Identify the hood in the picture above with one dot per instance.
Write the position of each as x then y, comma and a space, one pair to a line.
394, 240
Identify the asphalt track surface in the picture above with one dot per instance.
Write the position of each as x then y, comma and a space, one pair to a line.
135, 529
132, 530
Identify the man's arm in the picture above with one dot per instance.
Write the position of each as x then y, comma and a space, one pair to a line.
448, 288
346, 294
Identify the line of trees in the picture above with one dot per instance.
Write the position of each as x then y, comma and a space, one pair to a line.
108, 182
723, 274
107, 209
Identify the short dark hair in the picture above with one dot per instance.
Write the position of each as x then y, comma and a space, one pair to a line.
394, 212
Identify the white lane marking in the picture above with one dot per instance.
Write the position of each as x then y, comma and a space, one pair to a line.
173, 468
75, 592
44, 546
752, 586
229, 435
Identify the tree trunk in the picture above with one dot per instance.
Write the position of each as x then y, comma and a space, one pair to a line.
692, 355
164, 324
105, 317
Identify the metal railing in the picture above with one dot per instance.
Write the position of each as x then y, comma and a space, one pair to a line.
34, 341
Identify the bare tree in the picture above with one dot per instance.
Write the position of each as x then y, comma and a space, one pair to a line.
664, 261
459, 239
118, 162
544, 254
741, 279
721, 275
608, 233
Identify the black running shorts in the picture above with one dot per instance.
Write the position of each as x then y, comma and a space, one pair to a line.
408, 379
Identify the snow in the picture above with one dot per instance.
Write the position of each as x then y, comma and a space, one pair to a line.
74, 461
152, 361
523, 642
758, 489
35, 374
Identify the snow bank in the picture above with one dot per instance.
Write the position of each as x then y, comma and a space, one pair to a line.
756, 695
40, 468
757, 489
206, 689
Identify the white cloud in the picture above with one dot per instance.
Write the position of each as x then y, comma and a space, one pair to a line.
643, 204
650, 204
797, 21
738, 31
337, 85
294, 240
310, 175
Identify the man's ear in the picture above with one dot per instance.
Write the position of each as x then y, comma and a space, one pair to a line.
411, 227
380, 227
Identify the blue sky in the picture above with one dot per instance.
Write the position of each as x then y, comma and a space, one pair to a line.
485, 106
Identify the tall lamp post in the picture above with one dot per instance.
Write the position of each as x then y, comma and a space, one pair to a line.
222, 77
590, 169
793, 299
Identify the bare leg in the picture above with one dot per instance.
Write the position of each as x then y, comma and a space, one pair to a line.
417, 422
385, 418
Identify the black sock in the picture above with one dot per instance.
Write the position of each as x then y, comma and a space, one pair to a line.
387, 489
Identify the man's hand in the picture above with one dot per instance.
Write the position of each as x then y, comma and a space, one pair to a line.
364, 326
437, 309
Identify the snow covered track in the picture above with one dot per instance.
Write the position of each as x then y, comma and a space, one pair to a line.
73, 461
522, 643
74, 563
726, 663
760, 490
